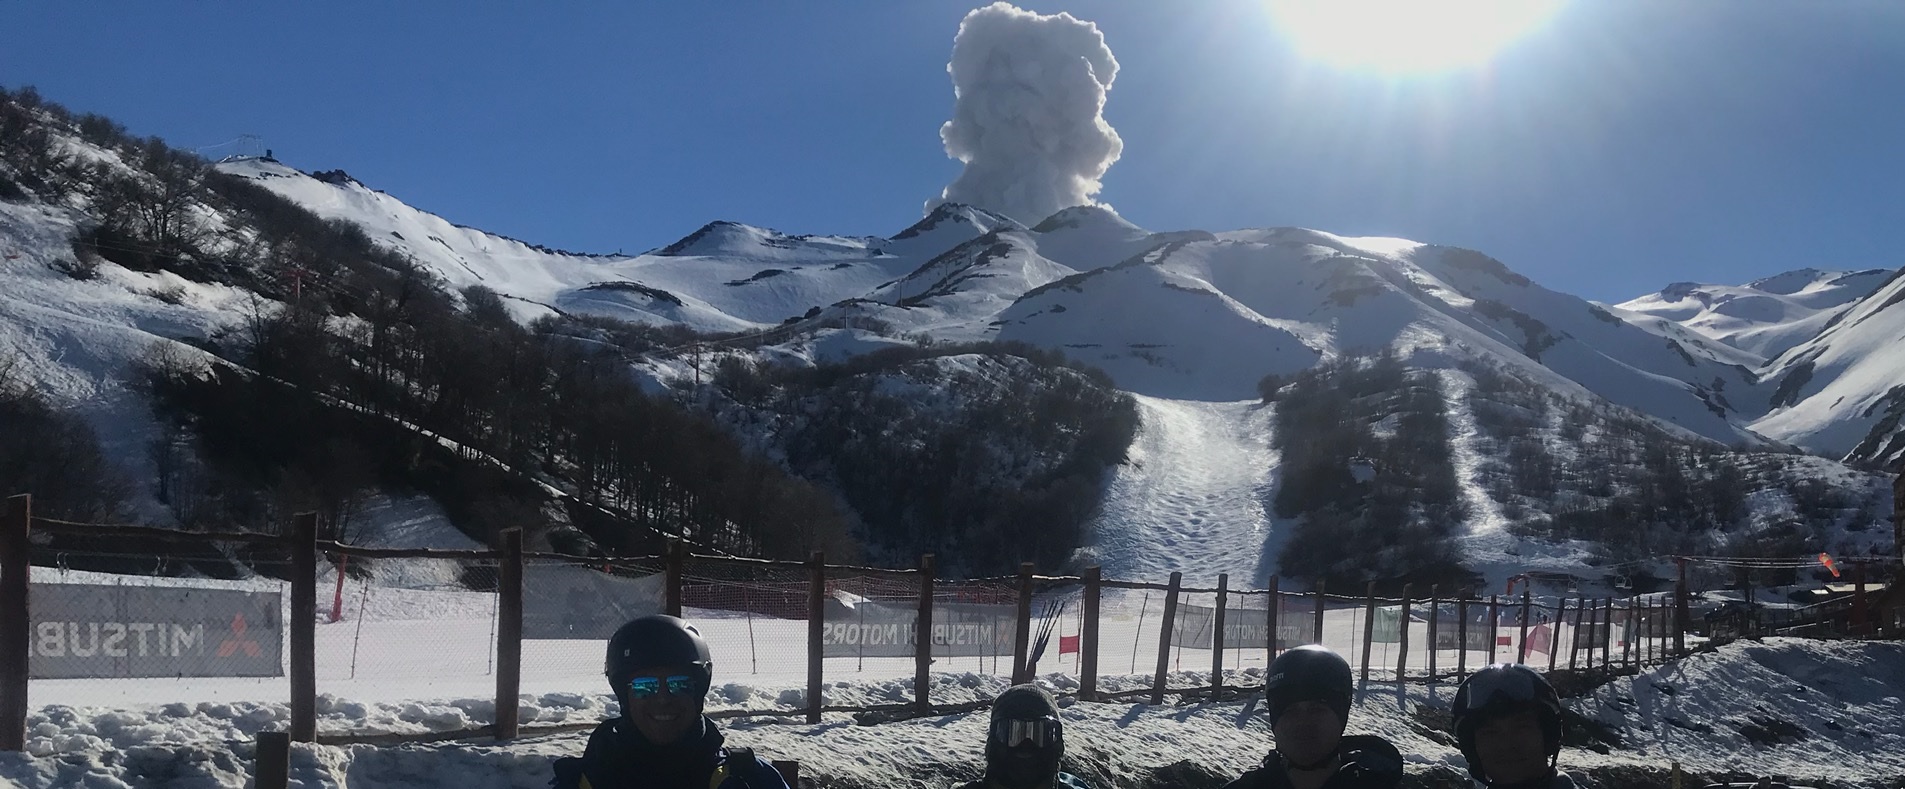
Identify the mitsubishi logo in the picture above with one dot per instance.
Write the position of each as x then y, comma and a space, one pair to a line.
238, 640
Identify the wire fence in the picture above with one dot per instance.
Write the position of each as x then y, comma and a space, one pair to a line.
289, 616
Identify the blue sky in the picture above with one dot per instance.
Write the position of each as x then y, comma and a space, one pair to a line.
1625, 145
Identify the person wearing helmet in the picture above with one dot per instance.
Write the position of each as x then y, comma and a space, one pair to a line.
1024, 742
1508, 725
1308, 696
660, 669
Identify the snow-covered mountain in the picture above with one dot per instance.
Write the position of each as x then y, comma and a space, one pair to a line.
1825, 347
1843, 391
1179, 317
1218, 311
1765, 317
1192, 321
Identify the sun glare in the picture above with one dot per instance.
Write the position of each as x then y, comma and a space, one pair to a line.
1407, 36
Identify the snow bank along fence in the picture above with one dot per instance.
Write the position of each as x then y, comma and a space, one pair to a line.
546, 615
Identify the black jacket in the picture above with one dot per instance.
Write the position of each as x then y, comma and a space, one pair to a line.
1369, 762
619, 757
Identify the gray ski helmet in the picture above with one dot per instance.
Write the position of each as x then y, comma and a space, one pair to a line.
1500, 688
1309, 673
658, 641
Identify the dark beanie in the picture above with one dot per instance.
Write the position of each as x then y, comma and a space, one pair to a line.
1024, 702
1309, 673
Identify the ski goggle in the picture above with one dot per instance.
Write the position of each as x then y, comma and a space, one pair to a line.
677, 685
1501, 686
1014, 733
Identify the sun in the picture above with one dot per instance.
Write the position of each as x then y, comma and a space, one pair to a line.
1407, 36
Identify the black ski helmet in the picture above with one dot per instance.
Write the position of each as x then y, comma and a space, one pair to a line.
658, 641
1309, 673
1504, 687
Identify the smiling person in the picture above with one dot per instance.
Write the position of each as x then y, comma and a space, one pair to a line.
1024, 742
660, 669
1308, 697
1508, 724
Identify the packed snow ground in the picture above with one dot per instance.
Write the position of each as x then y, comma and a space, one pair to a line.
1828, 713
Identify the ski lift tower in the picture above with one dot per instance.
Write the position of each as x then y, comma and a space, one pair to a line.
244, 146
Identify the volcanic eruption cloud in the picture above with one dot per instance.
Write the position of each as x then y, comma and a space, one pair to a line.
1028, 102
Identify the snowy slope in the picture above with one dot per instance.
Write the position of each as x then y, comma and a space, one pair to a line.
1765, 317
1217, 314
1844, 390
1191, 496
77, 341
724, 277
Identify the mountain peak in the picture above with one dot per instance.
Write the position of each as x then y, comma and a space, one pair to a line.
1790, 282
336, 177
1082, 216
1680, 290
957, 213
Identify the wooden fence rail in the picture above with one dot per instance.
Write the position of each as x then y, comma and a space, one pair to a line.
303, 547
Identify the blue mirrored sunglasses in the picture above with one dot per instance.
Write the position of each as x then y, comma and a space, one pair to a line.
1036, 733
678, 685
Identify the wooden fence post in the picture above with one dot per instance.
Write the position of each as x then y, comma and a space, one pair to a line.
1022, 648
1574, 642
16, 636
1369, 626
1494, 628
304, 627
1655, 647
1275, 613
1859, 618
1607, 630
1320, 586
271, 763
816, 630
923, 638
1402, 661
671, 578
1554, 633
509, 636
1680, 606
1088, 635
1627, 619
1160, 679
1435, 618
1461, 634
1217, 636
1527, 611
